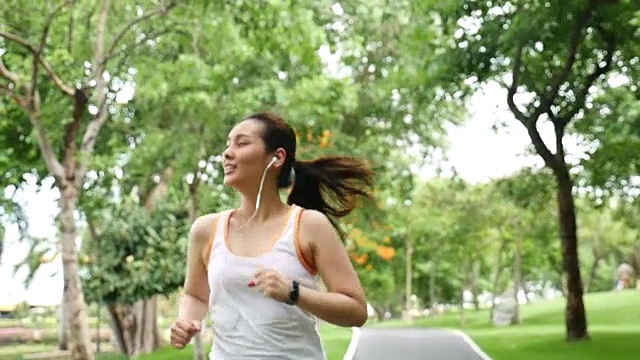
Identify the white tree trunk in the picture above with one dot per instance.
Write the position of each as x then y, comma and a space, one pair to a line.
135, 327
77, 320
63, 332
408, 280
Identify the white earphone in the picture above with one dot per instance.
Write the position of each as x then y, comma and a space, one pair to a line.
273, 161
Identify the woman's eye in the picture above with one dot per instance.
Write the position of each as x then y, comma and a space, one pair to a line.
243, 144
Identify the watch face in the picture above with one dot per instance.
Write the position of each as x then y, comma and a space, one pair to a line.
295, 293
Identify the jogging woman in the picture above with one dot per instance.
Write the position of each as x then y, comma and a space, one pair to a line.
254, 268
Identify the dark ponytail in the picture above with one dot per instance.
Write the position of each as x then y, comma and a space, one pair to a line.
330, 184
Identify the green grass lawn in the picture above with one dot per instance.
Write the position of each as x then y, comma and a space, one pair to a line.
336, 341
613, 318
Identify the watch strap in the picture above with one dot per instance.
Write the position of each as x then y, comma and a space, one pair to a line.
294, 294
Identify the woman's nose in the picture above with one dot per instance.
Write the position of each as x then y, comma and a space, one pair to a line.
227, 154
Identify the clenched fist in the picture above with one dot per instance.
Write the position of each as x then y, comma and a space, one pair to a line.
182, 331
272, 284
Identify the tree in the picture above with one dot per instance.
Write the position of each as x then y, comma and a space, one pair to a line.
391, 112
151, 248
611, 128
605, 240
448, 223
53, 76
547, 57
526, 194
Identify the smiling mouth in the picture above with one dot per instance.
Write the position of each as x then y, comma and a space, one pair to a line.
228, 169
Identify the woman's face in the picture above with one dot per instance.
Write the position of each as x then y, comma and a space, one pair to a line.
245, 157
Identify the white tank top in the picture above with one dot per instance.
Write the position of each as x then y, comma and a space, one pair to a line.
248, 325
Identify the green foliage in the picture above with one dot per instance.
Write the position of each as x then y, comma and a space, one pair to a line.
448, 222
606, 242
2, 232
18, 152
134, 255
485, 38
613, 126
526, 199
529, 188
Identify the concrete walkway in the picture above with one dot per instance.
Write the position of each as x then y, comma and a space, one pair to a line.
412, 344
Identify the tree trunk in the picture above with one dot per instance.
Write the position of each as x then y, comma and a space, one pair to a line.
462, 319
1, 241
432, 289
408, 279
517, 273
592, 273
497, 271
78, 324
63, 329
525, 289
379, 313
635, 261
466, 270
122, 327
474, 285
134, 327
576, 321
147, 336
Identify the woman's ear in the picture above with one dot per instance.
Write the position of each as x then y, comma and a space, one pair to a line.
281, 155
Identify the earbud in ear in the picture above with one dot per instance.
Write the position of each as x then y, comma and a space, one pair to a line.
273, 161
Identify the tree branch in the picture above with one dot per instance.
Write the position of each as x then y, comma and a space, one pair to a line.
47, 24
559, 133
529, 122
511, 90
32, 108
129, 48
72, 4
8, 74
591, 78
89, 137
560, 78
558, 129
542, 149
161, 10
37, 54
12, 94
50, 160
71, 131
52, 75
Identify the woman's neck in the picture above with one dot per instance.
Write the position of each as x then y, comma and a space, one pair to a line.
270, 205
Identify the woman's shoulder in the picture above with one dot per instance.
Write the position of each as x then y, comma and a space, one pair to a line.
203, 225
313, 221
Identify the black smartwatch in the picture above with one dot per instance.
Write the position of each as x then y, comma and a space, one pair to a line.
295, 293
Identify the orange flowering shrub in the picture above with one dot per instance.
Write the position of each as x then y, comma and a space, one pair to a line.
386, 252
360, 259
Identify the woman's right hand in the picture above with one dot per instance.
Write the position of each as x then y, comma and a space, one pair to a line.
182, 331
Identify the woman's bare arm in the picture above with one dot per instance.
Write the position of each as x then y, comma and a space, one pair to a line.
344, 303
195, 299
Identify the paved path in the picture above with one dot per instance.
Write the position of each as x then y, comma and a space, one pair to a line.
412, 344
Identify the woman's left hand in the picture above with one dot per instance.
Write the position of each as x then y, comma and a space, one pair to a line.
272, 284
